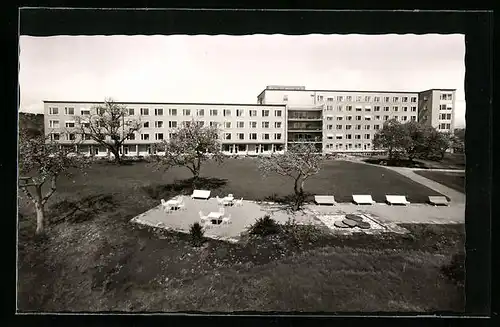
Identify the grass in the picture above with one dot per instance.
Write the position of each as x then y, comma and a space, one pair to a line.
450, 161
95, 260
452, 180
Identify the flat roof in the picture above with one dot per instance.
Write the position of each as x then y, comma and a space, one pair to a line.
173, 103
354, 91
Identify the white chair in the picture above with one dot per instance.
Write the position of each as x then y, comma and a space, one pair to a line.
238, 203
222, 210
180, 204
324, 199
396, 199
219, 200
226, 220
200, 194
166, 208
438, 200
362, 199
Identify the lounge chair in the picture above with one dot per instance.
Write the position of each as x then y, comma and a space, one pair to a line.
324, 199
438, 200
396, 199
362, 199
238, 203
200, 194
181, 204
227, 220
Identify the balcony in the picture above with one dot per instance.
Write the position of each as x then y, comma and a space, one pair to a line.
315, 127
292, 117
304, 138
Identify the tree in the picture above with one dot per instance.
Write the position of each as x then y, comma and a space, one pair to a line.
299, 162
190, 146
458, 140
41, 161
392, 137
109, 126
437, 144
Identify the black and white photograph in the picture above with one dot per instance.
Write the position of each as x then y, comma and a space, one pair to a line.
235, 173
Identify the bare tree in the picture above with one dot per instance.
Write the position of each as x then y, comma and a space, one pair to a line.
40, 161
109, 126
299, 162
190, 146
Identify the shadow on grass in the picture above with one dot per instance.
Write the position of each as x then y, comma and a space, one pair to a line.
284, 202
396, 163
184, 186
81, 210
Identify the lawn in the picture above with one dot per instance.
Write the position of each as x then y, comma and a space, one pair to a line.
450, 161
452, 180
93, 259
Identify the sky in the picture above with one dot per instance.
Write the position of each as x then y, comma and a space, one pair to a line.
233, 69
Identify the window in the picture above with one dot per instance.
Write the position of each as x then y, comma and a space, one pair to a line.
367, 127
239, 112
329, 99
265, 124
376, 99
413, 99
240, 124
329, 107
69, 111
340, 98
253, 113
86, 137
338, 137
200, 112
377, 117
339, 108
405, 99
448, 126
265, 136
145, 137
348, 136
252, 136
446, 96
213, 112
376, 127
367, 98
395, 108
70, 137
413, 109
159, 124
348, 108
265, 113
368, 109
144, 111
186, 123
320, 98
448, 116
329, 137
277, 124
395, 99
55, 136
186, 112
359, 109
285, 97
357, 137
348, 127
358, 117
131, 111
376, 108
53, 111
442, 126
253, 124
348, 98
329, 126
85, 112
172, 124
413, 118
340, 117
442, 107
172, 112
227, 124
227, 136
226, 112
131, 137
200, 123
277, 136
241, 136
158, 112
386, 99
405, 109
348, 118
386, 117
277, 113
358, 98
339, 126
145, 124
386, 108
158, 136
404, 118
367, 136
358, 127
70, 124
442, 116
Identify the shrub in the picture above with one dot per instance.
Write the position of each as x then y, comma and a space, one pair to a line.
196, 233
301, 234
264, 226
455, 270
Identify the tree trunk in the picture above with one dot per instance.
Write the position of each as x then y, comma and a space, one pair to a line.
40, 213
116, 153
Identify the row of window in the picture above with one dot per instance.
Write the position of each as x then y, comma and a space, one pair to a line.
445, 116
349, 137
348, 146
444, 126
173, 112
375, 108
446, 96
445, 107
356, 127
366, 98
369, 118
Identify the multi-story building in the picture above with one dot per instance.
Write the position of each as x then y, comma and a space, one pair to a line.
245, 128
333, 120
